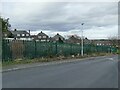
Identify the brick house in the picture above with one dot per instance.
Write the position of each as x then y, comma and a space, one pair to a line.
73, 39
21, 35
102, 42
57, 38
41, 37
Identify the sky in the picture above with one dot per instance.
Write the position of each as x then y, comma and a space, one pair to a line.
100, 18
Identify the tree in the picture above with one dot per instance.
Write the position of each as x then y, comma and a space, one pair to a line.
5, 27
113, 40
5, 24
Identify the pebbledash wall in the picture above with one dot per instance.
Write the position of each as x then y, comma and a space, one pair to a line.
18, 49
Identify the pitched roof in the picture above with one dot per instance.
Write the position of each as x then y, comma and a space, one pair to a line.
58, 36
42, 34
19, 32
73, 39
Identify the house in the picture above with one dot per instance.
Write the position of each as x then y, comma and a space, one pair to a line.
87, 41
33, 37
57, 38
41, 37
77, 40
102, 42
21, 35
73, 39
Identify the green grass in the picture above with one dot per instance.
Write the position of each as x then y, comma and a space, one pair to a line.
48, 59
118, 51
26, 61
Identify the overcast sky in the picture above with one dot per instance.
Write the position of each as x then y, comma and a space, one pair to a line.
101, 19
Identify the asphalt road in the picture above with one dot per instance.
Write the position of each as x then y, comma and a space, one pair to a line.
101, 72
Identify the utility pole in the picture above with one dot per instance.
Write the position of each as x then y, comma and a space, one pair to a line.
82, 52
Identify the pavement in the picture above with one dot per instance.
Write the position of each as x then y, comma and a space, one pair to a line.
94, 72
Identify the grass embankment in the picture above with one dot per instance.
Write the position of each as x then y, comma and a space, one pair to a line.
49, 59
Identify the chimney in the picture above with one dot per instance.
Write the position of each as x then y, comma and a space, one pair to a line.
15, 29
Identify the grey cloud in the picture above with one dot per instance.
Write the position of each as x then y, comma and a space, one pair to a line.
66, 16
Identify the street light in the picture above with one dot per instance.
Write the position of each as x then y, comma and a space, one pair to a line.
82, 52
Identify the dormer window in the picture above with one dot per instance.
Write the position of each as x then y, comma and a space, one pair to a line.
44, 36
39, 36
97, 43
27, 34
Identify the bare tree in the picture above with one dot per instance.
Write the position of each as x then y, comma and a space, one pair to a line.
114, 40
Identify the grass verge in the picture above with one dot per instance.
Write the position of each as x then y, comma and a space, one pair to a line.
49, 59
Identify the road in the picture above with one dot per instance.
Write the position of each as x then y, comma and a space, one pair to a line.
100, 72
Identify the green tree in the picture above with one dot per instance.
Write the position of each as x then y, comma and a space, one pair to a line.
5, 24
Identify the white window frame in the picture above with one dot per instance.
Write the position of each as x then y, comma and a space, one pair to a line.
44, 37
18, 34
43, 40
27, 34
39, 37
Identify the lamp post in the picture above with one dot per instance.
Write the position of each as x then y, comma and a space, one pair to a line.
82, 52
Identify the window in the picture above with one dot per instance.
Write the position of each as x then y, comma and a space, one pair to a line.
18, 34
23, 34
44, 36
57, 38
27, 34
43, 40
39, 36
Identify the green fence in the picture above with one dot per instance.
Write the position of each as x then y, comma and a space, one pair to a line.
34, 49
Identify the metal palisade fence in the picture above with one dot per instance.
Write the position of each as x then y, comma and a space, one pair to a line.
18, 49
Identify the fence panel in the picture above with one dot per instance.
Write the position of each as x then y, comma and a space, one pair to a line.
17, 48
30, 50
6, 50
42, 49
35, 49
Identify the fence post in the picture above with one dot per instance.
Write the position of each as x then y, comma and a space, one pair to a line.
9, 56
35, 50
71, 49
24, 54
3, 54
56, 48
